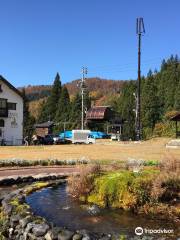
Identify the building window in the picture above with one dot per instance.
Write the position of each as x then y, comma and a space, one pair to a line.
3, 108
1, 123
1, 88
11, 106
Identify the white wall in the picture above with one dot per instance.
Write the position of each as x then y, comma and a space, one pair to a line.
13, 133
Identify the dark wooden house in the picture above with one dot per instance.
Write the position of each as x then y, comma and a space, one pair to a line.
43, 129
98, 117
99, 113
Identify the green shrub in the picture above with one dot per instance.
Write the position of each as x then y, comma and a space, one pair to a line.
112, 190
123, 189
44, 162
151, 163
164, 129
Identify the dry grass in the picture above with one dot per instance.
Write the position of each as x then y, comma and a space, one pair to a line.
101, 151
83, 184
166, 186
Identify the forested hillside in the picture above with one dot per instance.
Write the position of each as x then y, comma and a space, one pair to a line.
100, 91
36, 92
96, 86
160, 99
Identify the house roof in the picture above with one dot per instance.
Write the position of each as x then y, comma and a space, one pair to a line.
10, 86
176, 117
44, 125
97, 112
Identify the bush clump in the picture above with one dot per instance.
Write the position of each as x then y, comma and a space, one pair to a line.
122, 189
81, 186
46, 162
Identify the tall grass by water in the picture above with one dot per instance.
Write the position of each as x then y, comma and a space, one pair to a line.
150, 190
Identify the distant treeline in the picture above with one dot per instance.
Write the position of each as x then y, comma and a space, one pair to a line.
97, 88
37, 92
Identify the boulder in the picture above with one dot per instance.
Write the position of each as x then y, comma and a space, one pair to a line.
48, 236
77, 236
40, 229
87, 237
55, 231
107, 237
65, 235
86, 234
14, 220
28, 228
94, 209
11, 230
24, 221
33, 237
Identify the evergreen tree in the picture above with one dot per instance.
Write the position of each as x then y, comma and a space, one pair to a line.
63, 107
75, 115
177, 86
76, 108
87, 101
150, 103
126, 109
49, 108
28, 120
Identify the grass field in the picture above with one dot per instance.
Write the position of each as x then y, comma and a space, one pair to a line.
102, 151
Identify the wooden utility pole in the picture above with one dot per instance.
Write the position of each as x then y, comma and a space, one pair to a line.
83, 87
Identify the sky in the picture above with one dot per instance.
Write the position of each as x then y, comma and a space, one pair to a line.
39, 38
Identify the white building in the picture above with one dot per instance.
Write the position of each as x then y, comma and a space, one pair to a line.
11, 114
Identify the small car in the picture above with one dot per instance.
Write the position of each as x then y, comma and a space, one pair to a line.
57, 139
48, 140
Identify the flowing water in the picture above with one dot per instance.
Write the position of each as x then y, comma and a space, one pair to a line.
58, 207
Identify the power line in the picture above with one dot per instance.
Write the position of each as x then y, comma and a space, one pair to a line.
124, 65
123, 68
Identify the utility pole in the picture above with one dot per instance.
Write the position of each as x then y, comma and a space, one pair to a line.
83, 87
139, 31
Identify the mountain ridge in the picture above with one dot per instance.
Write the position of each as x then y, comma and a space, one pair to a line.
95, 84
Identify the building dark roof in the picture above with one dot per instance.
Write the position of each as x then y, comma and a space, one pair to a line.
10, 86
176, 117
99, 113
44, 125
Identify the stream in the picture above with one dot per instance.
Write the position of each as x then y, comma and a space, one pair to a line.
58, 207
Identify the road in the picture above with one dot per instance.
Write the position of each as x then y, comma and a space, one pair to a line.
7, 172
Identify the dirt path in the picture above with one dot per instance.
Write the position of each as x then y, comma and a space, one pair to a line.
36, 170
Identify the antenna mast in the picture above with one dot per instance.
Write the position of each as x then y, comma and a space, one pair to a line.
139, 31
